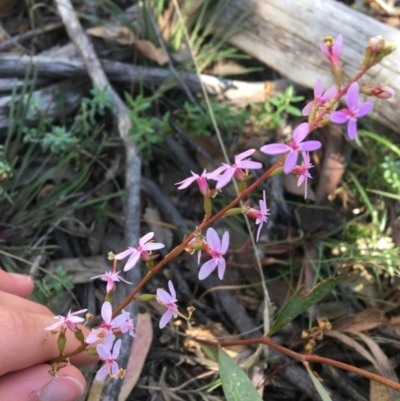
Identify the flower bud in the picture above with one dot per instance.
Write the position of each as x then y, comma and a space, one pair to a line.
233, 212
79, 335
146, 297
376, 50
62, 341
380, 91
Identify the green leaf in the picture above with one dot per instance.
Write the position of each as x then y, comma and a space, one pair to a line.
294, 111
318, 386
299, 303
237, 386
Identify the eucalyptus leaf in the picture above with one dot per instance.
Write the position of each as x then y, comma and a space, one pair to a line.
237, 386
299, 302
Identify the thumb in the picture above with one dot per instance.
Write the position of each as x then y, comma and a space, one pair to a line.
35, 383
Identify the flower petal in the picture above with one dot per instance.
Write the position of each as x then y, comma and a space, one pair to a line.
92, 337
166, 317
364, 109
306, 110
310, 145
352, 129
151, 246
106, 312
352, 95
330, 94
132, 261
55, 325
249, 164
290, 162
207, 269
146, 238
275, 149
163, 296
318, 88
102, 373
124, 254
225, 178
259, 231
338, 117
186, 182
301, 132
225, 242
116, 349
338, 45
213, 239
221, 268
172, 289
243, 155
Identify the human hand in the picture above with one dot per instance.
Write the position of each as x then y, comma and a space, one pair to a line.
25, 347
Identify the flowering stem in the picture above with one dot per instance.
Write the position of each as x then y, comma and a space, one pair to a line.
304, 358
204, 224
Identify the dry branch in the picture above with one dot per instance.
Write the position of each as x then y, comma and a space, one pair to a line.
284, 34
133, 170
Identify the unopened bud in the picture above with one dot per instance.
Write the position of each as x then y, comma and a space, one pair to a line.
62, 341
380, 91
146, 297
376, 50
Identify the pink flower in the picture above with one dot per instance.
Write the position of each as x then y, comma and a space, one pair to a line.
142, 251
236, 170
260, 215
302, 172
200, 179
128, 326
216, 249
70, 320
169, 301
332, 49
108, 325
320, 98
352, 112
380, 91
293, 148
111, 278
111, 366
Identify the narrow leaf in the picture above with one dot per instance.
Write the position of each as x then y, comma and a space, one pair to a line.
318, 386
237, 386
299, 302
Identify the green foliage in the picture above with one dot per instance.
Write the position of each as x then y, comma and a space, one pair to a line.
275, 107
50, 289
391, 172
236, 384
318, 386
299, 302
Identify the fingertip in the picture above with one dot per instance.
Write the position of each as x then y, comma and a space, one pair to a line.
17, 284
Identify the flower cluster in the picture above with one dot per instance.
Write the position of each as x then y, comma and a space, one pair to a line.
295, 158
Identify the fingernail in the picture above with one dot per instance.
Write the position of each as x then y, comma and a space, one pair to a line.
62, 389
20, 276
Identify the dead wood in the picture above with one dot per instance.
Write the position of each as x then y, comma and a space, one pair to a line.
234, 92
133, 169
284, 34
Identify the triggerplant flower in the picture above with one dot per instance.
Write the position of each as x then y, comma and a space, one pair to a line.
259, 215
169, 301
302, 172
111, 366
293, 147
128, 326
319, 97
332, 49
70, 320
142, 251
352, 112
216, 249
200, 179
105, 329
111, 278
236, 170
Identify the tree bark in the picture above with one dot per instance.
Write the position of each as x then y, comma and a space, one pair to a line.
285, 35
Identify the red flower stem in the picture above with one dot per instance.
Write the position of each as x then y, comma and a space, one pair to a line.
206, 222
304, 358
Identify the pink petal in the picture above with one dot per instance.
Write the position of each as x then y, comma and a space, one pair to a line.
124, 254
275, 149
103, 351
132, 261
330, 94
310, 145
114, 367
364, 109
338, 117
106, 312
225, 178
152, 246
171, 289
166, 317
225, 242
306, 110
163, 296
243, 155
221, 268
55, 325
215, 174
352, 95
352, 129
324, 49
102, 373
91, 338
318, 88
290, 162
186, 182
249, 164
207, 269
120, 320
146, 238
213, 239
301, 132
338, 45
259, 231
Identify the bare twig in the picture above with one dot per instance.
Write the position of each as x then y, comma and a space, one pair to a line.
122, 120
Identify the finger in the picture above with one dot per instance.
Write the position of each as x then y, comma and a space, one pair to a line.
25, 343
24, 305
17, 284
35, 383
